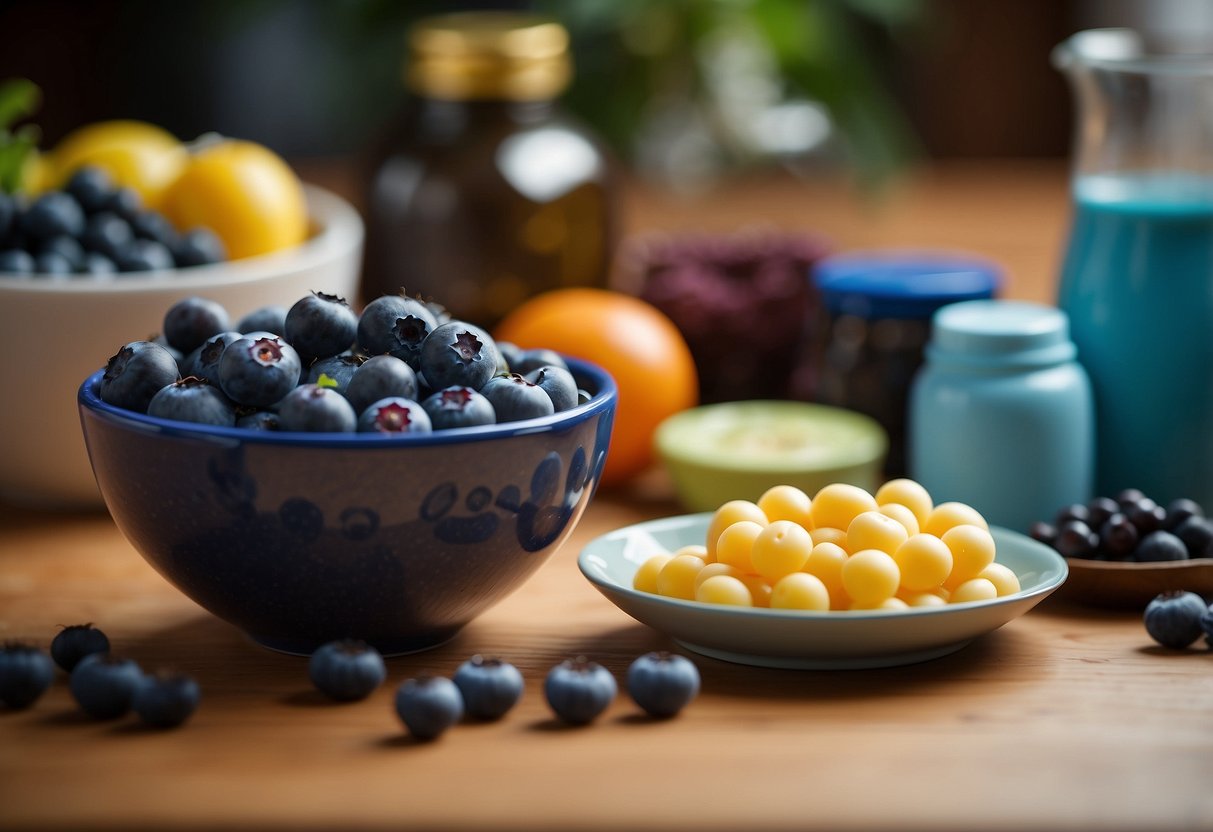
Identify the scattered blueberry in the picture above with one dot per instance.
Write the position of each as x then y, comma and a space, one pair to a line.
489, 687
135, 374
428, 705
25, 674
192, 399
320, 325
1173, 619
514, 398
579, 690
394, 416
104, 686
381, 377
346, 670
663, 683
192, 320
458, 407
166, 700
71, 644
258, 371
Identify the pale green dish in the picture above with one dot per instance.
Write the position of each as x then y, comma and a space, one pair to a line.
737, 450
809, 640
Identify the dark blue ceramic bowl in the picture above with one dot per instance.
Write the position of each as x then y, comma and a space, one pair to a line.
298, 539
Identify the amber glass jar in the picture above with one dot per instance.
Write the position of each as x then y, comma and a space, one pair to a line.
483, 192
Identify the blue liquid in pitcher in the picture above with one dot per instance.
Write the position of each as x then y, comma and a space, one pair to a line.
1137, 284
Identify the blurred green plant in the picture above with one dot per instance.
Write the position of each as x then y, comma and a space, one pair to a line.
19, 99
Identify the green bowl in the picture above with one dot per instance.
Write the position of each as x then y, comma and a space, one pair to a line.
737, 450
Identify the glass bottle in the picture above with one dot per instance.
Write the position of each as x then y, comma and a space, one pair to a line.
484, 193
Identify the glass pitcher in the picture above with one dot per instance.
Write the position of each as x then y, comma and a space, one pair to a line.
1137, 277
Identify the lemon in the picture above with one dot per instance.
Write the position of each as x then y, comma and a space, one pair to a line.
244, 192
136, 154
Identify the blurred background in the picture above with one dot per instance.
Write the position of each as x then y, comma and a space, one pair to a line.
699, 89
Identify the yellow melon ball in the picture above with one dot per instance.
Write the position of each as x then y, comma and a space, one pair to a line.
837, 504
875, 530
946, 515
908, 493
902, 515
925, 562
645, 579
711, 569
828, 535
724, 589
729, 513
677, 578
735, 546
786, 502
825, 561
800, 591
974, 589
869, 576
780, 549
972, 550
1003, 578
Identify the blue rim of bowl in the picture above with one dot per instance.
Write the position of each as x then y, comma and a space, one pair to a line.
600, 381
336, 228
831, 615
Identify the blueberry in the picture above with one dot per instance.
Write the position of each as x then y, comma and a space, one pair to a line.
195, 400
8, 214
151, 225
107, 233
135, 374
428, 705
144, 256
381, 377
166, 700
1180, 510
1206, 624
579, 690
198, 247
16, 261
98, 265
514, 398
269, 318
258, 372
320, 325
125, 202
1076, 540
1044, 532
1173, 619
393, 416
1075, 511
397, 326
346, 670
663, 683
52, 214
68, 248
178, 356
192, 320
1100, 509
1146, 515
91, 187
558, 383
458, 353
458, 407
1127, 497
104, 686
71, 644
340, 370
1197, 535
203, 361
533, 359
1118, 537
1160, 546
259, 420
53, 263
489, 687
510, 355
316, 409
25, 674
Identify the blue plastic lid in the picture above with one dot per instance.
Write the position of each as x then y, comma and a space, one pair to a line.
902, 284
1000, 332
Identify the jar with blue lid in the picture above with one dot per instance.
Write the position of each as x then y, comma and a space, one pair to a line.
1001, 414
876, 313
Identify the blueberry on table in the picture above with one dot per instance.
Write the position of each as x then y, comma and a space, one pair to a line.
104, 685
258, 371
320, 325
458, 353
166, 700
315, 409
662, 683
25, 674
514, 398
558, 383
395, 325
393, 416
199, 247
192, 320
71, 644
381, 377
458, 407
269, 318
346, 670
193, 399
135, 374
579, 690
490, 687
91, 187
428, 705
1158, 546
1173, 619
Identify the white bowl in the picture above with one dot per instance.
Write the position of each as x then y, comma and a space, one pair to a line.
55, 333
802, 639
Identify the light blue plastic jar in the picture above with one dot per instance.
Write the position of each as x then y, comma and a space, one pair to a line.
1001, 413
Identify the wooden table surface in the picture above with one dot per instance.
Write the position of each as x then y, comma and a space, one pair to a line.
1066, 718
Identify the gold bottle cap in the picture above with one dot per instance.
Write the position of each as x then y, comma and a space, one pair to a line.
488, 55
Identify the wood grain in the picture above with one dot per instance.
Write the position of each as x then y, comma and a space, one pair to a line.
1066, 719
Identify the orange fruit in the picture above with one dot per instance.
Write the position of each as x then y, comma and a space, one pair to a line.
632, 340
245, 193
136, 154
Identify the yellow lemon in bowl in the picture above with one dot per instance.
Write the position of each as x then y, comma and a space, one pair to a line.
244, 192
136, 154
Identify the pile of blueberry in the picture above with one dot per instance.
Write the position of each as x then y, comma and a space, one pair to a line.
93, 229
105, 686
1129, 527
400, 366
577, 690
1176, 619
